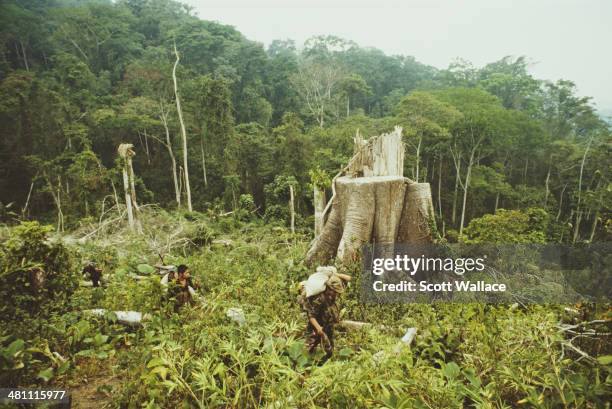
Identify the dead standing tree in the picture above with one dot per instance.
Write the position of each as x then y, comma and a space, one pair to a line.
163, 115
373, 202
183, 131
179, 111
126, 153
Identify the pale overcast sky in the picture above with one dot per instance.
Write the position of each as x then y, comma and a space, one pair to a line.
569, 39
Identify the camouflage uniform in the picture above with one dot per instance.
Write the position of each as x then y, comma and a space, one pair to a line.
95, 274
324, 309
179, 291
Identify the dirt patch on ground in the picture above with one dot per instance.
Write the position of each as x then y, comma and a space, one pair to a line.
94, 392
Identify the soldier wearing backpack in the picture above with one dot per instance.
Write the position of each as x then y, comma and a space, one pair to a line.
323, 312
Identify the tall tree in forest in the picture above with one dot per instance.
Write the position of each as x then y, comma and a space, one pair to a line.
163, 116
294, 149
250, 154
482, 120
317, 84
351, 88
427, 118
183, 131
209, 105
151, 76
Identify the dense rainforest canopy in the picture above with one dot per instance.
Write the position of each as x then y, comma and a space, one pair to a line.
80, 77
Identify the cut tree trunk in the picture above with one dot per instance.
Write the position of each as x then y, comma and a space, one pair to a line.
373, 203
417, 219
126, 153
128, 198
379, 209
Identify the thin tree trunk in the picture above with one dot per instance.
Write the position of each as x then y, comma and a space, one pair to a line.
177, 192
418, 158
319, 206
58, 202
116, 196
79, 49
547, 185
561, 202
131, 179
183, 131
321, 117
25, 206
348, 106
594, 226
456, 192
203, 161
496, 203
128, 197
147, 147
25, 56
578, 210
181, 180
440, 189
465, 191
59, 206
577, 225
292, 208
596, 215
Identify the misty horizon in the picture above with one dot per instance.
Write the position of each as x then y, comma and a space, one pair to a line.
436, 33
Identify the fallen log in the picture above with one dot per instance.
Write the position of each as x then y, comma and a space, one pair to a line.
405, 341
358, 325
348, 324
223, 242
129, 318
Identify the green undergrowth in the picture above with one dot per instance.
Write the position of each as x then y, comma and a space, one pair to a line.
464, 355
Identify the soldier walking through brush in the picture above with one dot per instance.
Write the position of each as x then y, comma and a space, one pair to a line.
182, 287
323, 313
95, 273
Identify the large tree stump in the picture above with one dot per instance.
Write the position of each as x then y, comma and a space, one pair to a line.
376, 209
373, 203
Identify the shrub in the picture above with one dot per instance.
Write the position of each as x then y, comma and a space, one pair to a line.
508, 226
37, 277
200, 234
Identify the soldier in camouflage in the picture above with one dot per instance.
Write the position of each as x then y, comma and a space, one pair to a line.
95, 273
323, 313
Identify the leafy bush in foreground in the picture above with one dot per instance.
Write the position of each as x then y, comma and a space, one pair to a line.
37, 277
